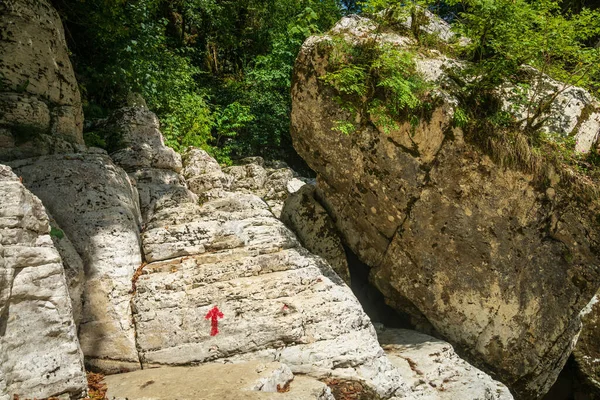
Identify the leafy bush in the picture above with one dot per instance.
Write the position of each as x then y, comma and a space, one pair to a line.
189, 124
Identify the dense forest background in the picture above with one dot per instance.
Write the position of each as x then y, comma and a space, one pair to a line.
218, 72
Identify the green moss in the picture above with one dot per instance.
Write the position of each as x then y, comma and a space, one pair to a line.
56, 233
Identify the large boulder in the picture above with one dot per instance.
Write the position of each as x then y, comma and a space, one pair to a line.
96, 205
40, 356
40, 104
499, 266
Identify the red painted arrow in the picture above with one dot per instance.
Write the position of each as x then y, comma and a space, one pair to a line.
213, 315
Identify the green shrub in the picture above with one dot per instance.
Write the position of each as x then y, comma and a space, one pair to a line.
189, 124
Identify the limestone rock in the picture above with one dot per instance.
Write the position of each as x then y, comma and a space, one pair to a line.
587, 350
303, 214
95, 204
574, 112
135, 132
203, 173
251, 177
229, 250
73, 265
273, 185
41, 96
244, 381
499, 268
39, 352
434, 371
156, 186
279, 301
588, 135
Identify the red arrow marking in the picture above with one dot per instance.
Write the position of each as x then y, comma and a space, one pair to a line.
213, 315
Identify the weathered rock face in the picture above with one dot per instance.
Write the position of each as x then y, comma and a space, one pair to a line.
498, 267
307, 218
203, 173
279, 301
272, 184
433, 369
587, 350
135, 131
40, 105
40, 356
229, 250
574, 111
74, 270
96, 205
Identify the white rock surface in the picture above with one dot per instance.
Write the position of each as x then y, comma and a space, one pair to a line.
203, 173
279, 301
434, 371
96, 205
39, 352
588, 135
74, 270
137, 131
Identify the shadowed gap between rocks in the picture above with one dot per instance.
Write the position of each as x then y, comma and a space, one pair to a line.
570, 386
370, 297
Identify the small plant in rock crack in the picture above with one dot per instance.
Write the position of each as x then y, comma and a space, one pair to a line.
56, 233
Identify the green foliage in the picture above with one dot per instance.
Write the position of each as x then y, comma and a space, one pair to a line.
232, 119
507, 34
460, 118
376, 81
396, 12
94, 139
398, 77
348, 79
197, 63
344, 127
189, 124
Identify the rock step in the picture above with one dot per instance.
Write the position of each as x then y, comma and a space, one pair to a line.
243, 381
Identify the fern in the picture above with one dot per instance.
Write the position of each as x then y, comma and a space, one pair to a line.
378, 80
349, 79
